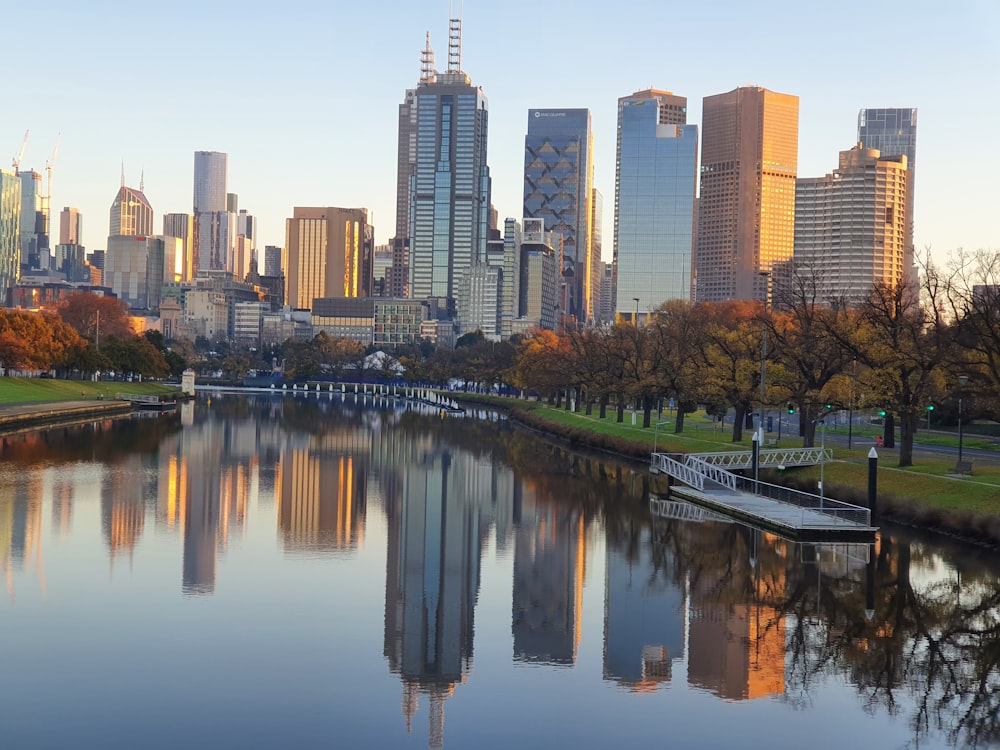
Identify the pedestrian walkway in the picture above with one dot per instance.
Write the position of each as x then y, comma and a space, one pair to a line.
19, 416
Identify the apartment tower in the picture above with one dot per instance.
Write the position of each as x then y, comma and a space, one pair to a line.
893, 132
850, 226
655, 182
558, 183
746, 206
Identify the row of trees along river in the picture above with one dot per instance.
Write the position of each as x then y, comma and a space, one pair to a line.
899, 350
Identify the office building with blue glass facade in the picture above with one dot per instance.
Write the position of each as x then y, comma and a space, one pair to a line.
450, 183
558, 182
655, 183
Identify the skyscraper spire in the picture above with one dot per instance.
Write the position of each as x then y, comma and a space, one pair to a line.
142, 181
427, 62
123, 173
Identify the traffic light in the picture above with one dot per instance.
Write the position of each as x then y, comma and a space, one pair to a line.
829, 406
930, 407
791, 408
882, 413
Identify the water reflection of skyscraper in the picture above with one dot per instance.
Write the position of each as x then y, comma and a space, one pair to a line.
21, 531
737, 636
549, 560
322, 493
644, 612
435, 536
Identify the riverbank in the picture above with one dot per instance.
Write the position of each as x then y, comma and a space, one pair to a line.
31, 403
925, 496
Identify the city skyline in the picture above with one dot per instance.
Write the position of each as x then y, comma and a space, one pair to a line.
294, 145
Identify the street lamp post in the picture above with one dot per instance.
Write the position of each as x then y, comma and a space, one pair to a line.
763, 371
635, 320
822, 458
962, 380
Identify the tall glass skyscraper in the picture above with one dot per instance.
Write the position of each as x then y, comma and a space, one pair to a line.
893, 132
450, 184
558, 178
655, 184
10, 230
211, 216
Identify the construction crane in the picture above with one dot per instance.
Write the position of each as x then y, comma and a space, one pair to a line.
48, 189
17, 159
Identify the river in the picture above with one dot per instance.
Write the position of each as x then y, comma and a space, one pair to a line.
340, 571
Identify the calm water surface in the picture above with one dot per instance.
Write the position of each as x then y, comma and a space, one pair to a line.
257, 573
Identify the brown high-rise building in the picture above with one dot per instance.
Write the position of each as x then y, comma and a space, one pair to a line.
330, 254
70, 226
746, 208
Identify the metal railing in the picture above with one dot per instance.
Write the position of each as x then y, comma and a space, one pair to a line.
138, 398
663, 463
691, 470
679, 510
807, 502
767, 458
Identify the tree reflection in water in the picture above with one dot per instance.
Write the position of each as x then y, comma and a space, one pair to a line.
913, 625
913, 634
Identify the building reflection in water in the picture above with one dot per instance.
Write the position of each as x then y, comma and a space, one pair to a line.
203, 488
436, 528
549, 568
21, 531
644, 612
322, 491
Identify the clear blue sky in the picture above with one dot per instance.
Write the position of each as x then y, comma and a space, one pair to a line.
303, 96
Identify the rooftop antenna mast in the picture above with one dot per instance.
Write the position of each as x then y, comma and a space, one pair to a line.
123, 173
455, 45
142, 180
427, 62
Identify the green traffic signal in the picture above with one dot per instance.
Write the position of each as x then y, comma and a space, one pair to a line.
882, 413
930, 407
829, 406
791, 409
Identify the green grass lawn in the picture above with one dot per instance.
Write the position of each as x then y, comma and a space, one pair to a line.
42, 390
929, 481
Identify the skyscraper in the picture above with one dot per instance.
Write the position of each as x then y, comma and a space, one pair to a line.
746, 207
34, 241
70, 226
850, 228
211, 218
558, 181
10, 230
329, 254
450, 195
131, 214
181, 226
893, 132
654, 200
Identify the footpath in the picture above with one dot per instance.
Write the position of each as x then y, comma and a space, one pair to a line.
15, 417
